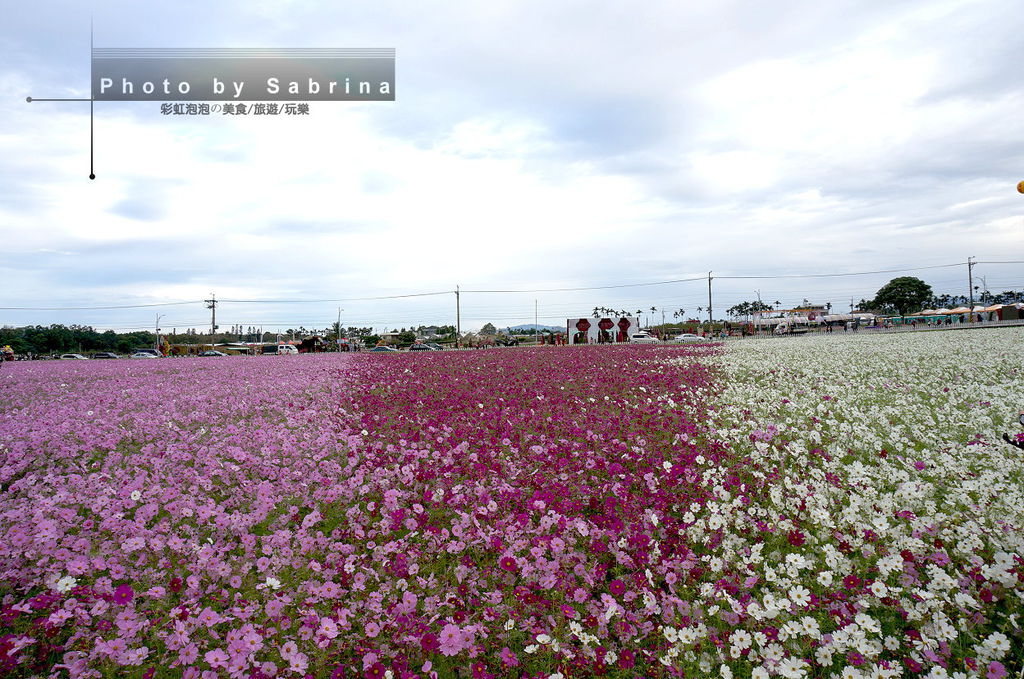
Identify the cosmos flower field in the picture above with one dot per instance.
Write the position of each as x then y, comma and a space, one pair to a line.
836, 506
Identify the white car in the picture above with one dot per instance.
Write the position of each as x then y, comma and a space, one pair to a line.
687, 337
642, 338
144, 354
280, 350
73, 357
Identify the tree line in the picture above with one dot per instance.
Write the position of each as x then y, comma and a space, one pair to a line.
61, 339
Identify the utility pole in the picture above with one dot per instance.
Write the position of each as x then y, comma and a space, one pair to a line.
157, 326
211, 304
339, 329
709, 302
458, 318
970, 285
536, 330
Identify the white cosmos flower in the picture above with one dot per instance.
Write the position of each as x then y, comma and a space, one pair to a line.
66, 584
792, 668
741, 639
800, 596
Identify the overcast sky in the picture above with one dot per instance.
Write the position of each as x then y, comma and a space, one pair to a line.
531, 145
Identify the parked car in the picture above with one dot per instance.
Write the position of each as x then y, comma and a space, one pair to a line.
213, 352
383, 349
73, 357
144, 354
642, 338
435, 346
104, 354
421, 347
687, 337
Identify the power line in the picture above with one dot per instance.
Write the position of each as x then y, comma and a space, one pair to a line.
76, 308
340, 299
853, 273
597, 287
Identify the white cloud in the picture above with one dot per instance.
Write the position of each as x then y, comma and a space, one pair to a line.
559, 145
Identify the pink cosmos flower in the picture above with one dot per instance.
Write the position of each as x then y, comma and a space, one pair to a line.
617, 587
216, 658
508, 563
995, 670
451, 640
188, 655
288, 650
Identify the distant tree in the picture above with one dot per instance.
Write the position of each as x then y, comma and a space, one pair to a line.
904, 294
406, 338
488, 329
747, 308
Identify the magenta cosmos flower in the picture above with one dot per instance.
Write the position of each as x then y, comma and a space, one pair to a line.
123, 594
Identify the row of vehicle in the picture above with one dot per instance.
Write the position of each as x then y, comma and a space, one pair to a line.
153, 353
137, 354
429, 346
149, 353
647, 338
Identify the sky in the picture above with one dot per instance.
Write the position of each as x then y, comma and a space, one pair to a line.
533, 148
